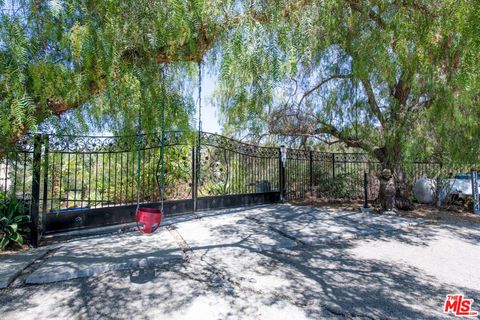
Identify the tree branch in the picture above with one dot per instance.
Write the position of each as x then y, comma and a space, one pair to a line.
321, 83
372, 101
420, 105
302, 126
334, 132
401, 90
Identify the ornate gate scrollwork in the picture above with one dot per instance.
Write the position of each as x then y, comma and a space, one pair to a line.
214, 174
178, 172
228, 166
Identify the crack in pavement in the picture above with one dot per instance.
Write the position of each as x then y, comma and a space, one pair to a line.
198, 269
186, 249
283, 234
214, 277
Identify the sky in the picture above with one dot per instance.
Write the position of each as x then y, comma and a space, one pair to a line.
210, 120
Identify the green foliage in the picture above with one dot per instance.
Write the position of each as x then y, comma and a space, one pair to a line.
119, 62
384, 75
107, 58
336, 187
14, 222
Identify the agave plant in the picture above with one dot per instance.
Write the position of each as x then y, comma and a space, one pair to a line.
14, 222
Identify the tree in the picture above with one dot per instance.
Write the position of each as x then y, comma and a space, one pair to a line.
106, 57
366, 73
109, 58
369, 74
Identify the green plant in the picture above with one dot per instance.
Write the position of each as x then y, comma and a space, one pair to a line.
342, 185
14, 222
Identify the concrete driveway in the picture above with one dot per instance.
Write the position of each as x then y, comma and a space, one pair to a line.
265, 262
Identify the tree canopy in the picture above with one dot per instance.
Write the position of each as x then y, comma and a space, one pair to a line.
108, 57
388, 77
392, 77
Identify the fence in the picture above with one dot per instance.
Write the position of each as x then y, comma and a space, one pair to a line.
72, 182
331, 175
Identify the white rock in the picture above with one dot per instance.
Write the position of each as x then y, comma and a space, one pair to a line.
424, 190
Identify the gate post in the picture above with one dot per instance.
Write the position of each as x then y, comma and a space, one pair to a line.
35, 201
310, 159
282, 157
365, 188
476, 204
45, 184
194, 178
333, 165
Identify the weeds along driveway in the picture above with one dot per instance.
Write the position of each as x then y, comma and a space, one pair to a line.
267, 262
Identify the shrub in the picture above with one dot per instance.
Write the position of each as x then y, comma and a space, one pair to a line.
343, 185
14, 222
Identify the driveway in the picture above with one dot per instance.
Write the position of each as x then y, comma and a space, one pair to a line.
265, 262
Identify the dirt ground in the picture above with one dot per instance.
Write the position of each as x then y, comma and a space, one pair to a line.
448, 214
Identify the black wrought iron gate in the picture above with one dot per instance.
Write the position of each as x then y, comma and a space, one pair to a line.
72, 182
89, 181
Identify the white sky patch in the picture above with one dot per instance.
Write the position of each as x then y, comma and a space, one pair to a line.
56, 6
